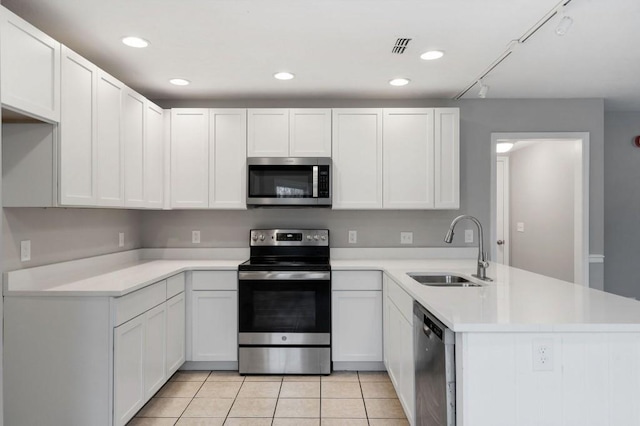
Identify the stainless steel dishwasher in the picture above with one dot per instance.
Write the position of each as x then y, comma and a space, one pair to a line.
434, 350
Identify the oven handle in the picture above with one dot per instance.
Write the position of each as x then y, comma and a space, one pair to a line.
284, 275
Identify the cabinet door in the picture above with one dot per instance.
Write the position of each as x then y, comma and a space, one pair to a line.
447, 158
109, 156
408, 158
357, 326
128, 369
357, 158
154, 156
189, 158
228, 161
133, 137
175, 333
77, 131
310, 132
155, 350
30, 68
268, 132
399, 350
215, 326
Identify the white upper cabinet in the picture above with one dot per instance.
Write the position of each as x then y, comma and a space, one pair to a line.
447, 158
110, 174
77, 130
310, 132
154, 156
30, 68
268, 132
227, 163
408, 158
357, 158
277, 132
134, 110
190, 158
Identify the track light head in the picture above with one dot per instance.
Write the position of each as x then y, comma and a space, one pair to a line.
484, 89
564, 25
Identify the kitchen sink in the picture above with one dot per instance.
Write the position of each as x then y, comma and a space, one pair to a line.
442, 280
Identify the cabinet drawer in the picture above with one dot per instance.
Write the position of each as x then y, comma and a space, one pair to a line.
356, 280
214, 280
175, 285
140, 301
401, 299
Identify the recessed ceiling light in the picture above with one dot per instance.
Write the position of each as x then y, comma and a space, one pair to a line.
135, 42
432, 54
399, 81
283, 75
179, 81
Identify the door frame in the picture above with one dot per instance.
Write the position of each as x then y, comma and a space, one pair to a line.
507, 211
581, 222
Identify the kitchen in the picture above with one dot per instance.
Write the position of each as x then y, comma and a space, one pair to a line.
59, 235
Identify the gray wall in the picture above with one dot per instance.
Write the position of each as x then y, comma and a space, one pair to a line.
541, 191
65, 234
622, 205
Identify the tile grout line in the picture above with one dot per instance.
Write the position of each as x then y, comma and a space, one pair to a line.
363, 403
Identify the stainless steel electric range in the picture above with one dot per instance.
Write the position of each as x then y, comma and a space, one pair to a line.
284, 303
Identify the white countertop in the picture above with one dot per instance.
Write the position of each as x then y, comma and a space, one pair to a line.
516, 301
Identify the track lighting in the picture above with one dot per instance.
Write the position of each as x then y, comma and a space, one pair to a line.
564, 25
484, 89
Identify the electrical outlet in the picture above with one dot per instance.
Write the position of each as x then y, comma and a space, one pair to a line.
121, 239
406, 238
353, 237
195, 237
520, 226
468, 235
543, 355
25, 250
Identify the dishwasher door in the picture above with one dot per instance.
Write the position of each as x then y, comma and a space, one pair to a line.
434, 354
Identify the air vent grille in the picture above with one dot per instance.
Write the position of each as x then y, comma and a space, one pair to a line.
401, 45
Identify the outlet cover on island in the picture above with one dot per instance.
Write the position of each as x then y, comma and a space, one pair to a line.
195, 237
121, 239
353, 237
406, 238
25, 250
542, 355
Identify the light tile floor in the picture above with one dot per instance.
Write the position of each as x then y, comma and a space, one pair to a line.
216, 398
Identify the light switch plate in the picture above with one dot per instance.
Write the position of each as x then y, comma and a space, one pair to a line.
25, 250
353, 237
195, 237
406, 238
121, 239
520, 226
468, 235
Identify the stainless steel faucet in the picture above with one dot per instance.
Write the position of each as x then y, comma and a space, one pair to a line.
482, 256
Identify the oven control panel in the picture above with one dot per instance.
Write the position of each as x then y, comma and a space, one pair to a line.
290, 237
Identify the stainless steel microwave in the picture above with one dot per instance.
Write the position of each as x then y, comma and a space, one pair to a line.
288, 182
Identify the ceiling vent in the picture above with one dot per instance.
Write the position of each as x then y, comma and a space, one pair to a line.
401, 45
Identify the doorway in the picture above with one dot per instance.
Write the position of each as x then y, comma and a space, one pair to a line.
539, 203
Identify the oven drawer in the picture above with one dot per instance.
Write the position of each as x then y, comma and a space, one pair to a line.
284, 360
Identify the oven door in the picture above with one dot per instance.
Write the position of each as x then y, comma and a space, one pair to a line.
284, 308
288, 181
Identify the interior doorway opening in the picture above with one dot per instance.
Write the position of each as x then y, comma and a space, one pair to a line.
539, 203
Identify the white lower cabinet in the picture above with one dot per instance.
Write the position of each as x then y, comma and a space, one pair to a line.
175, 333
155, 365
398, 345
128, 369
215, 325
356, 311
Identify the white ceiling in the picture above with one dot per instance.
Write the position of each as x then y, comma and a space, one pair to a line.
342, 48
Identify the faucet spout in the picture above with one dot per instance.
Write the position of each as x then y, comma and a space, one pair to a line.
483, 264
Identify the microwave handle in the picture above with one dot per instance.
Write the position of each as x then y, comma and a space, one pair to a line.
315, 181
